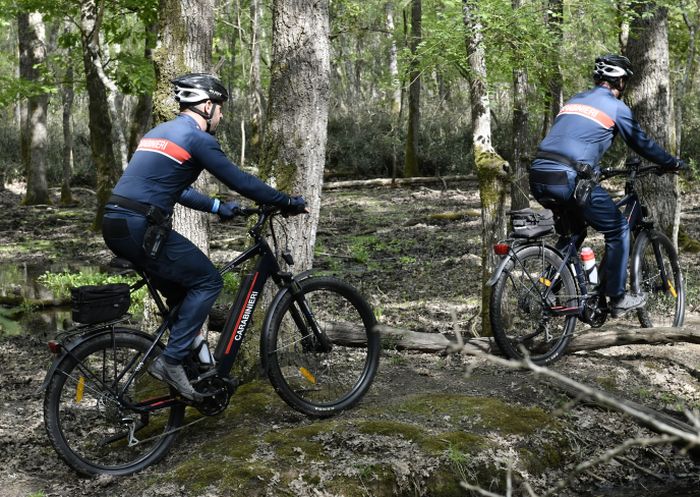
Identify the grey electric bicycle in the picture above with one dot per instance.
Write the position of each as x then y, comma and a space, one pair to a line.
104, 414
539, 291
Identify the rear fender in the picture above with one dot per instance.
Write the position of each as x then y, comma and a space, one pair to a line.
69, 347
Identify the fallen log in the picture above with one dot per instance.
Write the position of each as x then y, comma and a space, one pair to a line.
336, 185
611, 335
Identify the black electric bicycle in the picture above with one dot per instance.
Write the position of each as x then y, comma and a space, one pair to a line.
104, 414
539, 291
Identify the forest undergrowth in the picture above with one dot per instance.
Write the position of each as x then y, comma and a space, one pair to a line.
429, 421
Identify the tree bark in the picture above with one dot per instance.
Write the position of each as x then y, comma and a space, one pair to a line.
67, 95
489, 165
684, 83
294, 146
142, 114
412, 134
650, 98
554, 96
100, 122
395, 101
257, 116
184, 45
520, 187
32, 47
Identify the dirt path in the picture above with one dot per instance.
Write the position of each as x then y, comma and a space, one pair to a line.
428, 421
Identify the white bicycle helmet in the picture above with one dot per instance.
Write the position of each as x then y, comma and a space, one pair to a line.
611, 67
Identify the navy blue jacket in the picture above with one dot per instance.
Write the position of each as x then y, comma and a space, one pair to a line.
586, 126
169, 159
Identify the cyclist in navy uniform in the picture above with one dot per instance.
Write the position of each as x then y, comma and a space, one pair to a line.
136, 223
582, 132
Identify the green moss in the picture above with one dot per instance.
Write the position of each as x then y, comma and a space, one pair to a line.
606, 382
453, 441
542, 459
254, 399
686, 243
377, 480
288, 442
445, 483
481, 412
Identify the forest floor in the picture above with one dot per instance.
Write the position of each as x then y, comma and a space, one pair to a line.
427, 423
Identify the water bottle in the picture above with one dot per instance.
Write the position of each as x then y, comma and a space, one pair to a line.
588, 260
202, 349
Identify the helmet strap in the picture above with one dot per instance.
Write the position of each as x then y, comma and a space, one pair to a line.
207, 117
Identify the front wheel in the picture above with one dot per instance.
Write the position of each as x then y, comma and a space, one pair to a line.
320, 347
87, 422
656, 272
528, 307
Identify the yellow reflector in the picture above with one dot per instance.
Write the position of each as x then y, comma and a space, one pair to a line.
307, 374
79, 389
672, 289
545, 281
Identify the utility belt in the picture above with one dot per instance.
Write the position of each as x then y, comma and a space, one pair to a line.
159, 224
586, 176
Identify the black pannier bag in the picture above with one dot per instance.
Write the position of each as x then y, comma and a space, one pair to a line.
529, 223
96, 303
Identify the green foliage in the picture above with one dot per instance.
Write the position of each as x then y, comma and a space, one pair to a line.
61, 283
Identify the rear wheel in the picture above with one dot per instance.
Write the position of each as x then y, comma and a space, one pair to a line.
524, 319
325, 371
656, 272
87, 424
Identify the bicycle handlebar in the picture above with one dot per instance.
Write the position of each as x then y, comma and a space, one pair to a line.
633, 170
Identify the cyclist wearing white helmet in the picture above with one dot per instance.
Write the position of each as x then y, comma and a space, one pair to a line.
582, 132
136, 224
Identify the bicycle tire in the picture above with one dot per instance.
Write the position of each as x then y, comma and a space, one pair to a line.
520, 322
84, 421
315, 382
653, 258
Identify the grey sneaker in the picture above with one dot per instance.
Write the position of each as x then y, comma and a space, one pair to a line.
175, 376
626, 303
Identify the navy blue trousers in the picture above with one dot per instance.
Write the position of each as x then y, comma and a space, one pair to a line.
181, 272
601, 213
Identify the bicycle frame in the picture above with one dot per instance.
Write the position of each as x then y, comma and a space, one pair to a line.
235, 328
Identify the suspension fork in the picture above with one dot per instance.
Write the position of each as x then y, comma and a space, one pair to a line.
304, 318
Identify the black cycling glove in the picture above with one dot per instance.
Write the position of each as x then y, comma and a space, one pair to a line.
296, 205
227, 210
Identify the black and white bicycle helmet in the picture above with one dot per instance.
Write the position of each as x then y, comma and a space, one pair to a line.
610, 67
194, 88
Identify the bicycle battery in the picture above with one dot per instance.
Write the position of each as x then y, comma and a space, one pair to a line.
239, 316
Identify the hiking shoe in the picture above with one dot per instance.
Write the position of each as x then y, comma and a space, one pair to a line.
175, 376
629, 301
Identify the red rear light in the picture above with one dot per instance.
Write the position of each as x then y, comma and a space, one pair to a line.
54, 347
501, 249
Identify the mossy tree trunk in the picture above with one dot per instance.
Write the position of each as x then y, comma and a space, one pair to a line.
520, 187
32, 48
412, 134
184, 45
490, 167
649, 94
257, 115
142, 115
294, 146
107, 167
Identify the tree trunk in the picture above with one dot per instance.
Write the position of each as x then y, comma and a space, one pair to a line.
142, 114
413, 132
650, 98
489, 165
100, 123
554, 98
520, 187
184, 45
684, 83
395, 103
257, 116
32, 47
67, 94
295, 132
